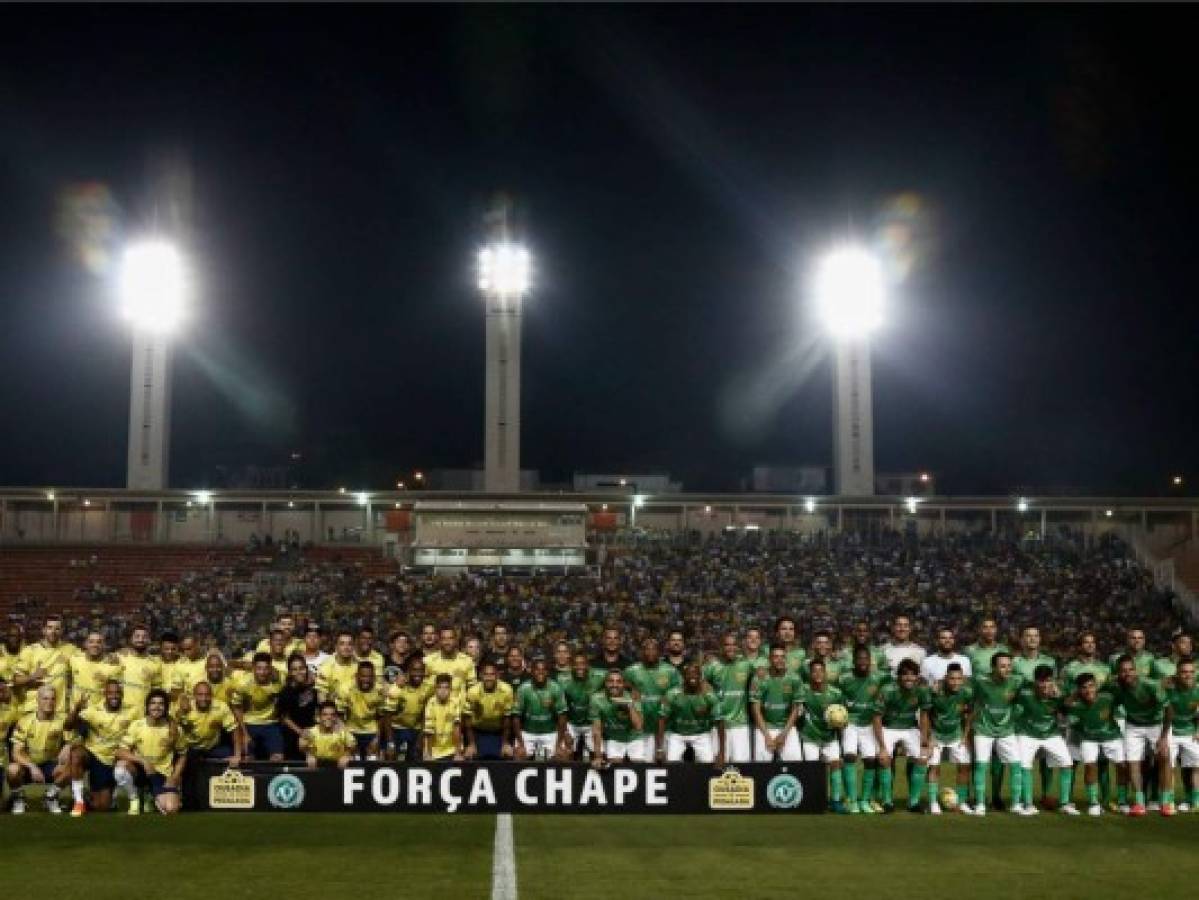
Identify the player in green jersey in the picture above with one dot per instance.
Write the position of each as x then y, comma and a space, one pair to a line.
1180, 740
616, 723
786, 633
1086, 660
948, 715
580, 682
1040, 713
1182, 646
901, 720
860, 688
752, 649
1095, 714
822, 649
1025, 664
540, 711
648, 681
860, 637
993, 723
731, 675
689, 714
775, 707
817, 739
1134, 646
983, 649
1144, 705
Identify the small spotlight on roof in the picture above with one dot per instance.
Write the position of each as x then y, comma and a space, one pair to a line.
204, 496
911, 504
708, 510
623, 482
341, 490
362, 497
604, 507
1022, 505
809, 505
638, 500
50, 495
924, 477
1177, 479
418, 476
189, 503
1108, 513
87, 502
291, 504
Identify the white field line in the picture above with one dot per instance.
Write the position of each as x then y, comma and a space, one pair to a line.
503, 860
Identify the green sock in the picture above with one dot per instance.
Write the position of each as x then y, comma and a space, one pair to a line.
1093, 794
1122, 795
1065, 785
980, 783
1167, 796
933, 792
850, 774
1017, 781
916, 788
884, 776
1139, 798
868, 784
835, 778
1105, 783
1195, 797
1027, 786
963, 793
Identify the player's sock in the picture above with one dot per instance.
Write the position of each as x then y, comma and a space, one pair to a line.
1093, 794
1122, 794
837, 785
850, 774
868, 784
884, 776
1105, 783
77, 790
1195, 798
1026, 785
1139, 798
916, 786
963, 794
980, 783
1017, 782
934, 794
1167, 796
1065, 785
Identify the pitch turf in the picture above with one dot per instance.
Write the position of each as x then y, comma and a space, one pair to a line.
318, 856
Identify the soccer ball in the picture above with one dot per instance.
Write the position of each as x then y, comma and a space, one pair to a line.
836, 716
948, 798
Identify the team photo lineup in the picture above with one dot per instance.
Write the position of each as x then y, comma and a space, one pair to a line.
980, 718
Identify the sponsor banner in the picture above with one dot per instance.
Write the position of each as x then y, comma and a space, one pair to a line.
492, 787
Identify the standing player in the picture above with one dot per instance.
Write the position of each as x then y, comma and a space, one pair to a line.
817, 740
610, 655
515, 673
453, 662
192, 662
255, 700
540, 713
1040, 711
217, 676
951, 699
1144, 705
1179, 741
106, 724
985, 647
327, 743
731, 675
39, 751
860, 688
935, 665
649, 681
91, 670
1182, 646
367, 708
1085, 661
1024, 666
1134, 647
822, 649
285, 625
901, 646
901, 720
578, 684
786, 635
443, 721
148, 757
364, 648
562, 660
140, 672
46, 662
408, 720
337, 673
1095, 714
689, 716
860, 638
752, 650
993, 721
676, 650
775, 704
616, 723
313, 653
172, 664
487, 716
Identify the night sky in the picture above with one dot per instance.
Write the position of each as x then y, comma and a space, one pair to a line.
676, 169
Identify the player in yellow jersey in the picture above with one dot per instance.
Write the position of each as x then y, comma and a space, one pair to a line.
39, 751
487, 717
103, 724
255, 698
46, 662
443, 724
451, 661
192, 662
219, 678
412, 692
91, 670
10, 651
209, 727
173, 665
328, 742
148, 757
276, 653
140, 672
338, 672
10, 711
364, 648
367, 708
286, 624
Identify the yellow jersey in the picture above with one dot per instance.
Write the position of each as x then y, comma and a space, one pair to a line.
375, 658
192, 672
156, 744
9, 713
257, 701
172, 676
55, 661
202, 730
460, 667
296, 645
41, 739
105, 730
440, 719
8, 663
334, 677
410, 705
488, 709
139, 676
221, 690
361, 709
279, 662
329, 746
88, 677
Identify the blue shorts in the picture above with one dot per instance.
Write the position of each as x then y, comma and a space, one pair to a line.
489, 744
412, 738
265, 740
47, 772
364, 741
99, 775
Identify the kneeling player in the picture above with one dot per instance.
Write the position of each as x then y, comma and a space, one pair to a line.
1095, 712
1039, 715
96, 756
39, 752
616, 723
328, 743
1179, 741
148, 757
775, 705
951, 699
209, 727
902, 721
689, 714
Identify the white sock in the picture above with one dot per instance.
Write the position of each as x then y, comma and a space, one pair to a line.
77, 789
124, 780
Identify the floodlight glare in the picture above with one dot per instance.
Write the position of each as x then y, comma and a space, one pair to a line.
809, 506
1022, 505
504, 270
204, 496
911, 505
362, 498
850, 292
153, 285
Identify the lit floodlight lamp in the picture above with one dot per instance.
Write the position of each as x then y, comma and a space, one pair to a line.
850, 292
1022, 505
153, 285
504, 270
911, 504
50, 496
205, 497
638, 500
362, 498
1108, 513
809, 506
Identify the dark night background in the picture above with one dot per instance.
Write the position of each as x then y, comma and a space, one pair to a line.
676, 168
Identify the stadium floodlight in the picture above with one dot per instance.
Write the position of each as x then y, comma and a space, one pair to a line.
911, 503
153, 285
205, 497
1177, 481
850, 292
504, 270
362, 497
50, 496
809, 505
1108, 513
1022, 505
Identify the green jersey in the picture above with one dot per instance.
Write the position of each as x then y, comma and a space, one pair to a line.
1095, 721
731, 681
776, 696
878, 659
980, 658
832, 671
1144, 703
1027, 668
1143, 662
995, 706
1184, 706
651, 685
861, 695
538, 708
949, 711
578, 693
1075, 667
814, 728
690, 714
797, 659
613, 716
1163, 667
1038, 717
900, 709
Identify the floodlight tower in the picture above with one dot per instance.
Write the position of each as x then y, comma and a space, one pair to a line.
850, 294
154, 292
503, 280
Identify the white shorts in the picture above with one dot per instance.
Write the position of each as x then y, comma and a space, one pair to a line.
791, 750
1057, 754
959, 753
1113, 751
736, 743
908, 738
615, 751
1007, 749
577, 732
1184, 751
701, 745
830, 752
858, 740
535, 743
1137, 738
642, 748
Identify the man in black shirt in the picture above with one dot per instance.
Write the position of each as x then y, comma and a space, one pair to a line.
296, 704
676, 650
497, 652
